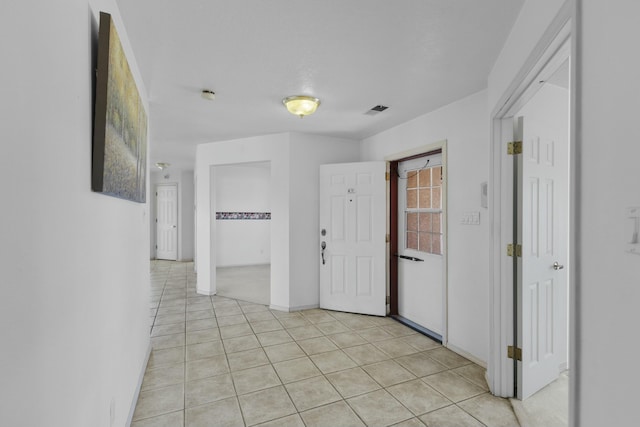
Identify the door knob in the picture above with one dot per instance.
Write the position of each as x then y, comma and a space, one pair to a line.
323, 246
557, 266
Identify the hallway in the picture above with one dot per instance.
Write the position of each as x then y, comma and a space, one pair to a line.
223, 362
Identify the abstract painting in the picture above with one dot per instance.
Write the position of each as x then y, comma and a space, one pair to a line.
120, 125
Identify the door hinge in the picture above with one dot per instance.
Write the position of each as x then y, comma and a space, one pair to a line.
514, 249
514, 147
514, 353
387, 176
387, 238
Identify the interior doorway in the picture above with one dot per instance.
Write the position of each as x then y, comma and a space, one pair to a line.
241, 196
531, 305
167, 222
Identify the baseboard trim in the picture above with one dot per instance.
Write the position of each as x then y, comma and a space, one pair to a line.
207, 293
136, 394
291, 309
467, 355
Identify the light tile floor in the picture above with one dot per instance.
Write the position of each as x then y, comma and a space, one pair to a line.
223, 362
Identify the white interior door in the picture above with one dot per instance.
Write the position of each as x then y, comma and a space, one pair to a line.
352, 237
543, 224
421, 242
167, 222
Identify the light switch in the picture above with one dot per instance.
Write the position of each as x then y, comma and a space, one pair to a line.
470, 218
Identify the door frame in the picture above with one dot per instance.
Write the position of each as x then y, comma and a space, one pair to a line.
553, 48
392, 228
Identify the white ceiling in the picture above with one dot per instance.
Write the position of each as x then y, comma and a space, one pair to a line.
413, 56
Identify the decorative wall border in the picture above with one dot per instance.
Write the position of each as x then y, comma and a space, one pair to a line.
243, 215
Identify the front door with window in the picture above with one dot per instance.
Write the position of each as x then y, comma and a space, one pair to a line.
420, 246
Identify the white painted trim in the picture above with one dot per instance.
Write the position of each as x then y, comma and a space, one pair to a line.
575, 138
291, 309
205, 292
552, 39
499, 368
136, 394
467, 355
415, 151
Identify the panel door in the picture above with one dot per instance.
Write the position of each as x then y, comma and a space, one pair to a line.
543, 224
352, 237
167, 222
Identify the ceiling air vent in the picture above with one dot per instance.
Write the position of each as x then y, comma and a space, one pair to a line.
376, 110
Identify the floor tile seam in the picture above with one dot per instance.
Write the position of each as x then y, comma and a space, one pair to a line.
451, 402
480, 394
390, 355
462, 400
165, 335
157, 309
363, 421
298, 358
449, 406
468, 413
451, 370
394, 384
155, 416
156, 389
184, 395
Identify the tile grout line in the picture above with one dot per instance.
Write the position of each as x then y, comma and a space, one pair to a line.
185, 286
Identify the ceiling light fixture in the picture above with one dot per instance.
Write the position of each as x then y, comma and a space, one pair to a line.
162, 165
208, 94
301, 105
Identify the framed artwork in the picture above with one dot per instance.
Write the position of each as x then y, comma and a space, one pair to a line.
119, 166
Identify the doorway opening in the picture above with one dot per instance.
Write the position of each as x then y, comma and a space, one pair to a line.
418, 240
241, 196
532, 202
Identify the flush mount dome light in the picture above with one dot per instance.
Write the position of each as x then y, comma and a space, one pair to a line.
208, 94
162, 165
301, 105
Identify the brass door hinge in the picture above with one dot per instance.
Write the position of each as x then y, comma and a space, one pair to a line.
514, 353
514, 250
514, 147
387, 238
387, 176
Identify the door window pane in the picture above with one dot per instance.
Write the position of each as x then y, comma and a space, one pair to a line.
412, 240
412, 221
424, 210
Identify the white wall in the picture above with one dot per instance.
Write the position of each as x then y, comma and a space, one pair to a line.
308, 152
243, 188
533, 20
294, 189
74, 297
465, 127
608, 147
184, 181
270, 148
